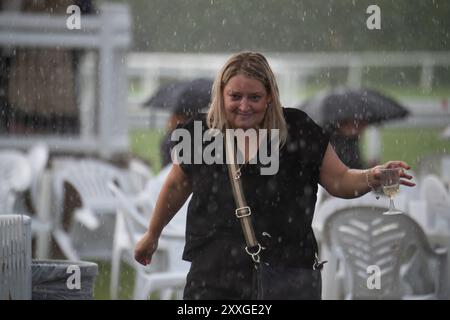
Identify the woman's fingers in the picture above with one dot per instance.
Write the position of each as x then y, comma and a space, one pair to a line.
402, 167
397, 164
142, 258
407, 183
405, 175
144, 249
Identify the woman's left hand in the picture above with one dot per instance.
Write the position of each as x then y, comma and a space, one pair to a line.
374, 174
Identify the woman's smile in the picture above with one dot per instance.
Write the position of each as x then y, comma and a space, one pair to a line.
245, 101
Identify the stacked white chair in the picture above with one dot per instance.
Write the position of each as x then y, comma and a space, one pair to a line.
21, 173
15, 178
91, 228
15, 257
437, 199
38, 158
167, 272
139, 173
360, 237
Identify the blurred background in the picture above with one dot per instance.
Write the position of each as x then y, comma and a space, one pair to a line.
87, 92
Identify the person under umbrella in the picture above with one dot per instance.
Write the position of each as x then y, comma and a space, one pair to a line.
184, 99
345, 113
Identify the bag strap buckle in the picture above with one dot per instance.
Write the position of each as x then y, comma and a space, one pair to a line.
318, 265
243, 212
255, 255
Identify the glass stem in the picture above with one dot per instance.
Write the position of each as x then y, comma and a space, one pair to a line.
391, 204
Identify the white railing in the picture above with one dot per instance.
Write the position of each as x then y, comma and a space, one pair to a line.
103, 122
15, 257
292, 70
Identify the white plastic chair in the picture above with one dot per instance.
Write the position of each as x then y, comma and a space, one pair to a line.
332, 274
92, 225
446, 133
21, 173
445, 171
38, 157
329, 205
166, 272
139, 173
360, 236
15, 178
437, 199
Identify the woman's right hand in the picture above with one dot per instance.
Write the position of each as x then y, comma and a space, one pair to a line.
145, 248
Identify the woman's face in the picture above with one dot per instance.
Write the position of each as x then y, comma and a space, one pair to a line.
245, 101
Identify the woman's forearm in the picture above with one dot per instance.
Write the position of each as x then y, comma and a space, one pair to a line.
341, 181
173, 195
350, 184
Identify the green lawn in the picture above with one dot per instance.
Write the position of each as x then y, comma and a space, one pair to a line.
412, 144
392, 91
408, 144
145, 145
103, 280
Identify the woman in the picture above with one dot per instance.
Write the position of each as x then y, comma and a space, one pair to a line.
245, 96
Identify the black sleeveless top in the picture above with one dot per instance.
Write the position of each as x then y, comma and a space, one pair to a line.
282, 204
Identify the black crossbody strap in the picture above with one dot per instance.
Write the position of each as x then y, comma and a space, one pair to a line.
243, 211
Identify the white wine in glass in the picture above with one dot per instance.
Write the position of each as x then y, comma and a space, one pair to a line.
390, 182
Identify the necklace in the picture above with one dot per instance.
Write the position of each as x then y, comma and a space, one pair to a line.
238, 173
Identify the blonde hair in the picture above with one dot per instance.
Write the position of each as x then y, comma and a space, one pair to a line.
253, 65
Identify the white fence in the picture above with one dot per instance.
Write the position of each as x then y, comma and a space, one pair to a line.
292, 71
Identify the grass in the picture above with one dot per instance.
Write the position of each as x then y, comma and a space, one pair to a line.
408, 144
145, 145
412, 144
103, 280
394, 92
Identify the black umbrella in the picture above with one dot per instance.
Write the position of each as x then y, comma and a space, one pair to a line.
330, 108
186, 97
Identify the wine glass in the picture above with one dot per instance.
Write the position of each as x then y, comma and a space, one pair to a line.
390, 182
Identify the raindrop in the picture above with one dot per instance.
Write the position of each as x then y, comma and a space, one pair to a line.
307, 190
292, 147
302, 143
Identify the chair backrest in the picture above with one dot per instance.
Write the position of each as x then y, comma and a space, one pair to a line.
151, 193
172, 238
139, 173
433, 191
38, 157
90, 229
365, 241
15, 177
332, 204
89, 177
134, 222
